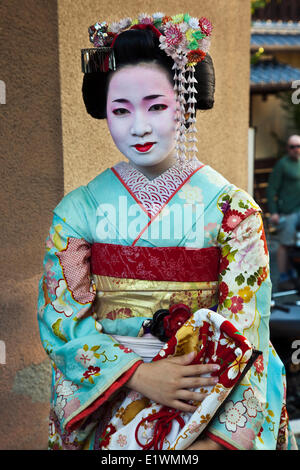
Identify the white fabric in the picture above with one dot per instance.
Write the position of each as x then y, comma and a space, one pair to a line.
147, 346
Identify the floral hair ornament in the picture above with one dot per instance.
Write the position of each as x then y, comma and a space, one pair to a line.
184, 38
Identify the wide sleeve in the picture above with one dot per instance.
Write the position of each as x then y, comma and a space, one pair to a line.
89, 365
249, 418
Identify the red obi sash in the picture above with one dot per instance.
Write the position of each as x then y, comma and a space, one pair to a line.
156, 263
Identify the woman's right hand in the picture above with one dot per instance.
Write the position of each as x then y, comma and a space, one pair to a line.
168, 381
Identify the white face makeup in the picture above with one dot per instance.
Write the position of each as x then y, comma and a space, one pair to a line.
141, 107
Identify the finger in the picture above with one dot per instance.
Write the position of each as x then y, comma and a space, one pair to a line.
195, 382
183, 360
182, 406
200, 369
188, 395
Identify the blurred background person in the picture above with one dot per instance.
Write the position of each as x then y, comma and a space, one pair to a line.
283, 194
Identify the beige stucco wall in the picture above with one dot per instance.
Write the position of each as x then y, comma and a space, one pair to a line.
49, 145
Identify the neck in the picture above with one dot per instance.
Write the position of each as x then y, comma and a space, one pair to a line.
154, 171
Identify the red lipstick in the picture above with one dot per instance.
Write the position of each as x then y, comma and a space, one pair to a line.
145, 147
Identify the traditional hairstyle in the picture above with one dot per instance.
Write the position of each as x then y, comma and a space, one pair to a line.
132, 47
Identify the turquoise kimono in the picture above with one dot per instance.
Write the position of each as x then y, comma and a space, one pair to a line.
122, 247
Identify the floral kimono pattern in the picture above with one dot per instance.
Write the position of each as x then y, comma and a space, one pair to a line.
86, 298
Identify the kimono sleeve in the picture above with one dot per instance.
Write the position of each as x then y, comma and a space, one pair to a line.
248, 419
89, 365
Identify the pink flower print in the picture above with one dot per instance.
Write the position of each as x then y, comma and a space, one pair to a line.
231, 219
71, 406
245, 437
236, 304
85, 357
126, 350
52, 283
122, 440
194, 427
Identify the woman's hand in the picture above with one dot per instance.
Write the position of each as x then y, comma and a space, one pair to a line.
168, 381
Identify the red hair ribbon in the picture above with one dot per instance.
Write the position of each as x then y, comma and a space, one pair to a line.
147, 26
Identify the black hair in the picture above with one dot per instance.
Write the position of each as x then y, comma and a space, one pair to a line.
131, 48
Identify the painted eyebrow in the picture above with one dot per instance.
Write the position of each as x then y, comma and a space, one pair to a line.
146, 98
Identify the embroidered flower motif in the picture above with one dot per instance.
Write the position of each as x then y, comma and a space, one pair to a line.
237, 366
227, 341
66, 388
233, 416
105, 437
122, 440
61, 304
251, 403
246, 294
225, 206
87, 357
223, 264
123, 348
88, 374
231, 219
192, 194
122, 312
236, 304
251, 256
59, 407
259, 364
205, 25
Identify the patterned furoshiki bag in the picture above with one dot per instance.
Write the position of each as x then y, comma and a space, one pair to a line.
134, 422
